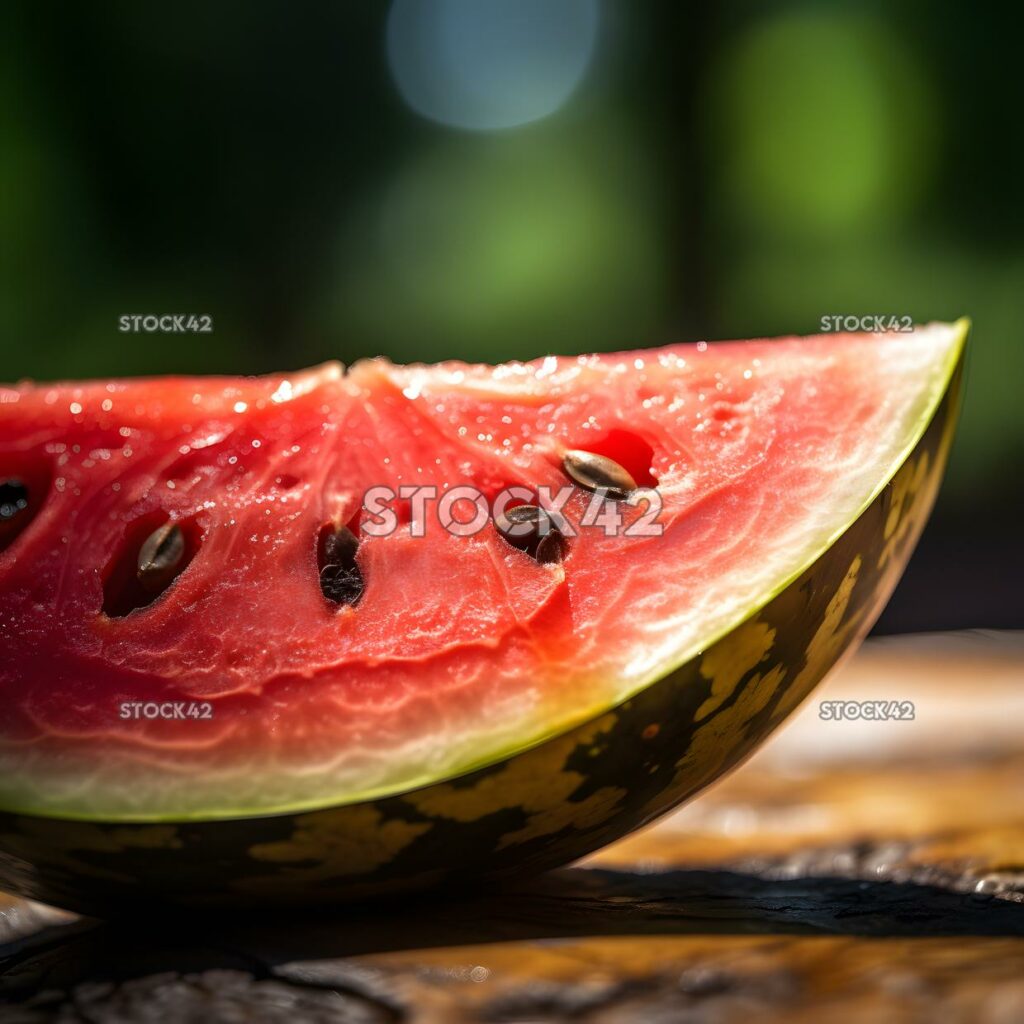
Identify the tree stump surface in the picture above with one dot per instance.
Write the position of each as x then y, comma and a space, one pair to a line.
850, 871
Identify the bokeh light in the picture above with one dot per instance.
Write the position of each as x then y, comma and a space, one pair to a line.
489, 64
823, 122
509, 247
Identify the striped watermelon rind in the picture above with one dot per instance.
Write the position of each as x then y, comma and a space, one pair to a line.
539, 807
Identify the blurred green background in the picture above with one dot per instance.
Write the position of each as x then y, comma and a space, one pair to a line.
489, 179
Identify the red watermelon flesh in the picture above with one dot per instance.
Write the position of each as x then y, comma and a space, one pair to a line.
461, 649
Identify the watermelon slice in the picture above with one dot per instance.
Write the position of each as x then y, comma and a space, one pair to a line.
340, 713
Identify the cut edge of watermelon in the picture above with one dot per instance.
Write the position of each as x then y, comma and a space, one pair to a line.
959, 330
957, 336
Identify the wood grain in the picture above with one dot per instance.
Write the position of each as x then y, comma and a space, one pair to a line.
850, 871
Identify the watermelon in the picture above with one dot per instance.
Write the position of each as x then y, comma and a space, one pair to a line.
234, 672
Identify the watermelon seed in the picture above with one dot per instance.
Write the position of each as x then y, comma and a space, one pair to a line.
340, 546
532, 529
598, 473
25, 481
550, 548
13, 499
340, 579
160, 557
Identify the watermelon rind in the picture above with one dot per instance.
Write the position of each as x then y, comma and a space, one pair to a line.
549, 802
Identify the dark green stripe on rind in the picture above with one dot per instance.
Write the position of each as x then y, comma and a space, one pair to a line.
540, 808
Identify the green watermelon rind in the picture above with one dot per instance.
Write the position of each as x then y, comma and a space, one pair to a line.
951, 365
577, 716
543, 805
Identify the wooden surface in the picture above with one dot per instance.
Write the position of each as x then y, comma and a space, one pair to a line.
849, 872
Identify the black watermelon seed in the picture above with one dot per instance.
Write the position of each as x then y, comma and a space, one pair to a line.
13, 499
597, 472
160, 557
531, 529
340, 578
340, 546
342, 584
523, 524
522, 516
550, 548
